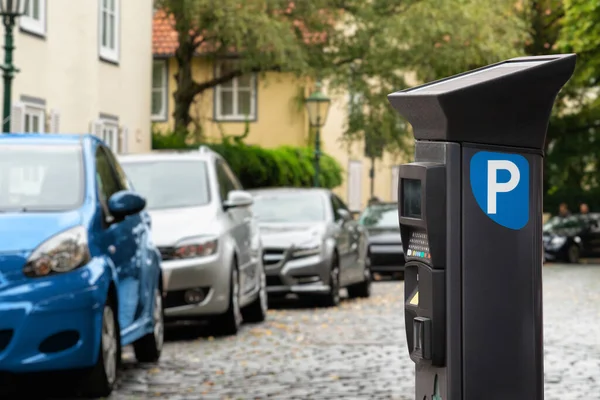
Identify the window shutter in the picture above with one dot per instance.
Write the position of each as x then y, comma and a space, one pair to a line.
17, 118
123, 147
96, 129
54, 122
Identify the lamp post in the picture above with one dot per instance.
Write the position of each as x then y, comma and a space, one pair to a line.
317, 105
10, 10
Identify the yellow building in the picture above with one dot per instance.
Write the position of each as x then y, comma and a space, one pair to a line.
273, 107
84, 69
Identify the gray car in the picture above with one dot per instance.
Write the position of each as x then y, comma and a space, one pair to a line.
203, 226
311, 244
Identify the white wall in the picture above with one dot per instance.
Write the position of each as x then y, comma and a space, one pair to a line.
64, 68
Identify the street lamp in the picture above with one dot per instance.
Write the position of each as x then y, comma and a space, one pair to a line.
10, 10
317, 105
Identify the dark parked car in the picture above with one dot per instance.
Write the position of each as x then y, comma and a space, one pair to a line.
385, 254
311, 244
568, 238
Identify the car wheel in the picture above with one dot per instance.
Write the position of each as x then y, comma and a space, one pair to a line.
149, 347
361, 289
573, 254
332, 299
103, 376
229, 323
257, 310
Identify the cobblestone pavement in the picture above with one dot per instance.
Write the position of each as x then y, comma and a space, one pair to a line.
357, 351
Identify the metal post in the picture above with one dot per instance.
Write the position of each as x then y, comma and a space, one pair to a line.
372, 176
317, 154
8, 68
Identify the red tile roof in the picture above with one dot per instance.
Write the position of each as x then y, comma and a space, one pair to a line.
165, 37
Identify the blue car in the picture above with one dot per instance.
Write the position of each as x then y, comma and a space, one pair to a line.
79, 274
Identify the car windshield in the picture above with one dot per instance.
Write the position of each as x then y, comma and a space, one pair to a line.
170, 184
40, 177
289, 207
570, 222
380, 216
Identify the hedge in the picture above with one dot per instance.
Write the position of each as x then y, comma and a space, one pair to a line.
258, 167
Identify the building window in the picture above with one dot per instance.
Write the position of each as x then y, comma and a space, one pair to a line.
35, 119
236, 99
109, 30
159, 90
354, 185
34, 20
110, 134
107, 129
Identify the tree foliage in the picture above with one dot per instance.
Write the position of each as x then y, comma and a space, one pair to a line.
573, 141
362, 47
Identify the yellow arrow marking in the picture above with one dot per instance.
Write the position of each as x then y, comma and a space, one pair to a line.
415, 299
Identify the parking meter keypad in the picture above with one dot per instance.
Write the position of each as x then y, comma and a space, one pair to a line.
418, 245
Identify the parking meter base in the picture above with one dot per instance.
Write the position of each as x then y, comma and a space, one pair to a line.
470, 212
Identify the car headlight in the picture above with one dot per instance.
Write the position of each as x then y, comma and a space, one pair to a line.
200, 246
558, 241
307, 250
61, 253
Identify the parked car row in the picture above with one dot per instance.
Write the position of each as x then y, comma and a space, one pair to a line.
569, 238
98, 253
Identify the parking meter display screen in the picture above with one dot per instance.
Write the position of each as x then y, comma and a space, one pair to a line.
411, 198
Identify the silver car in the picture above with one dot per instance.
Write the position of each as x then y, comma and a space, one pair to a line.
203, 226
312, 245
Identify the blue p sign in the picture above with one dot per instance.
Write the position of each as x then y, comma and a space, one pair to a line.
500, 184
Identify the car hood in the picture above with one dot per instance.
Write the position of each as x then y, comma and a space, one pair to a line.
170, 226
27, 230
384, 236
283, 234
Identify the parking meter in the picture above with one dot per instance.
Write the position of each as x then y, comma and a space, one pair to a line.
470, 211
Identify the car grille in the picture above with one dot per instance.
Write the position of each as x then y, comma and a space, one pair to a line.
5, 337
386, 259
167, 253
274, 280
272, 256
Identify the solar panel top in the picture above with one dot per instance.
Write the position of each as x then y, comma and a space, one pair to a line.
485, 74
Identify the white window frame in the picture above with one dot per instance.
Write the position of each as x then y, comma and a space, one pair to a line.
355, 185
31, 111
162, 90
108, 131
107, 53
236, 116
31, 25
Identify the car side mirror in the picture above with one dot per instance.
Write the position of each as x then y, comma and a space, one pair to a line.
124, 203
343, 215
238, 198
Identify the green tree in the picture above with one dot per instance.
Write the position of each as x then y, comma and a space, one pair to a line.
573, 138
363, 45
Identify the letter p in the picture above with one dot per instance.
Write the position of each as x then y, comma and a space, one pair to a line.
494, 187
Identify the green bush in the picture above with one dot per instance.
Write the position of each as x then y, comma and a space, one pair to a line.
260, 167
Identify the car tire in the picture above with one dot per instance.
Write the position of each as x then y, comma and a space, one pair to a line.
573, 254
361, 289
149, 347
257, 310
230, 322
332, 298
101, 380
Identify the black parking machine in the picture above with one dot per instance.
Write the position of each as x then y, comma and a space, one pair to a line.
470, 211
